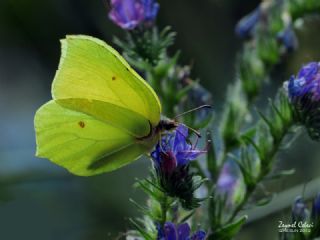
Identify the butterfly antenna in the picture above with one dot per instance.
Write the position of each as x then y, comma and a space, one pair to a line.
193, 130
192, 110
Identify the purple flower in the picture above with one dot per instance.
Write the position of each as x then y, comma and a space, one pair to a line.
171, 158
174, 151
230, 183
246, 25
151, 9
288, 38
128, 14
300, 211
180, 232
306, 83
304, 94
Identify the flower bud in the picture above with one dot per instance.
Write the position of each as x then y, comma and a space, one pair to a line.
230, 183
128, 14
300, 211
288, 39
247, 24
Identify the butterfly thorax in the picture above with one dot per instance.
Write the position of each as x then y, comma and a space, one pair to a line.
155, 132
166, 125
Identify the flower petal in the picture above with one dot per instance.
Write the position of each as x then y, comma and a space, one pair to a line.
180, 140
200, 235
151, 9
183, 231
170, 231
308, 70
184, 157
127, 13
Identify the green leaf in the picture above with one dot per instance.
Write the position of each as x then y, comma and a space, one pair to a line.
141, 230
187, 217
264, 201
281, 174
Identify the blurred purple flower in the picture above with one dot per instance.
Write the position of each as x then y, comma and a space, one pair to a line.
128, 14
180, 232
174, 151
151, 8
300, 211
288, 38
247, 24
230, 183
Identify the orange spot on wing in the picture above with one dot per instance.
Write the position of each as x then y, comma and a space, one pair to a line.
81, 124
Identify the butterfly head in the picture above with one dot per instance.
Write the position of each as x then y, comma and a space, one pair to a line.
167, 125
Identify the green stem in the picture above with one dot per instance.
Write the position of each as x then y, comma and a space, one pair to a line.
164, 209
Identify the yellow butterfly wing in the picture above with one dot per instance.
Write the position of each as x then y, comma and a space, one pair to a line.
81, 143
103, 114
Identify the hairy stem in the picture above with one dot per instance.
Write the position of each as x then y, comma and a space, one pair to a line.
164, 209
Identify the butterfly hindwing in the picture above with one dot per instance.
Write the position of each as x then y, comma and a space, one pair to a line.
82, 144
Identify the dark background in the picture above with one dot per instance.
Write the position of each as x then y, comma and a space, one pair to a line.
39, 200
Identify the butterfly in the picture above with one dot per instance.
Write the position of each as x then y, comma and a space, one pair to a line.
102, 115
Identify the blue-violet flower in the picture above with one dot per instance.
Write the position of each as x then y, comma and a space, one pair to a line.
288, 38
300, 211
171, 158
247, 24
304, 94
174, 151
180, 232
128, 14
230, 183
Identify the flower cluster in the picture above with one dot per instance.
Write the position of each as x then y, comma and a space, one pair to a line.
172, 157
128, 14
181, 232
304, 94
269, 32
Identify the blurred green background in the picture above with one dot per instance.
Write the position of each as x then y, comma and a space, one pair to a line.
39, 200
